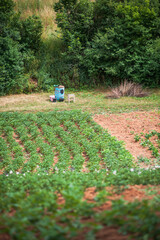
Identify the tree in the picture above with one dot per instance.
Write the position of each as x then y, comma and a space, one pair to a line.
11, 59
115, 45
18, 41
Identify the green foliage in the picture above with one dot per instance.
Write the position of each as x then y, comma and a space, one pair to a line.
31, 31
11, 59
109, 41
139, 220
17, 41
11, 67
97, 42
146, 142
6, 9
75, 18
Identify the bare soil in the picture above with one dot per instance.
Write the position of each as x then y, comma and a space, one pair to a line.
125, 126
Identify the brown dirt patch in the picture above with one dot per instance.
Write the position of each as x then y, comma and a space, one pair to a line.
132, 193
125, 126
106, 233
129, 194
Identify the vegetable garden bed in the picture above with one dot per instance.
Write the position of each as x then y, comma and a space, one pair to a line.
48, 156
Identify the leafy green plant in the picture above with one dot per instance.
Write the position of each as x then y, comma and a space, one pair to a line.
137, 138
138, 222
147, 143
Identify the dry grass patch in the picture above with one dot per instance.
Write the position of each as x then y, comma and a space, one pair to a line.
43, 9
127, 88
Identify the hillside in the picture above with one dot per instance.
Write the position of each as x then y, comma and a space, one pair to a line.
43, 9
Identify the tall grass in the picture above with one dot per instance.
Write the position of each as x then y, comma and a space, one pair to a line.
50, 67
43, 9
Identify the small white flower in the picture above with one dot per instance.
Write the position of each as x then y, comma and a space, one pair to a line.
7, 175
24, 174
132, 169
106, 169
38, 174
11, 172
157, 166
28, 171
114, 172
56, 168
153, 168
139, 172
37, 166
63, 171
47, 174
17, 173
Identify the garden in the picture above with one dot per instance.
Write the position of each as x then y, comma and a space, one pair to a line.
63, 176
88, 169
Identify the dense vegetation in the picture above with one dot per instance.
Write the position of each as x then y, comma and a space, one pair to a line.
99, 42
46, 155
109, 41
18, 42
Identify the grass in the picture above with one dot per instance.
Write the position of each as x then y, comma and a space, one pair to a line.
43, 9
93, 101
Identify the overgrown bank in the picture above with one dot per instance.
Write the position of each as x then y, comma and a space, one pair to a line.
96, 43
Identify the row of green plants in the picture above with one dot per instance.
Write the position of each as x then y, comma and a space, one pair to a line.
72, 136
145, 141
29, 207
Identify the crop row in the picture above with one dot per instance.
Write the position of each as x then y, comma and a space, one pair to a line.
32, 179
75, 140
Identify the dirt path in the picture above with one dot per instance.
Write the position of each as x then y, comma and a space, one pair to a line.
125, 126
